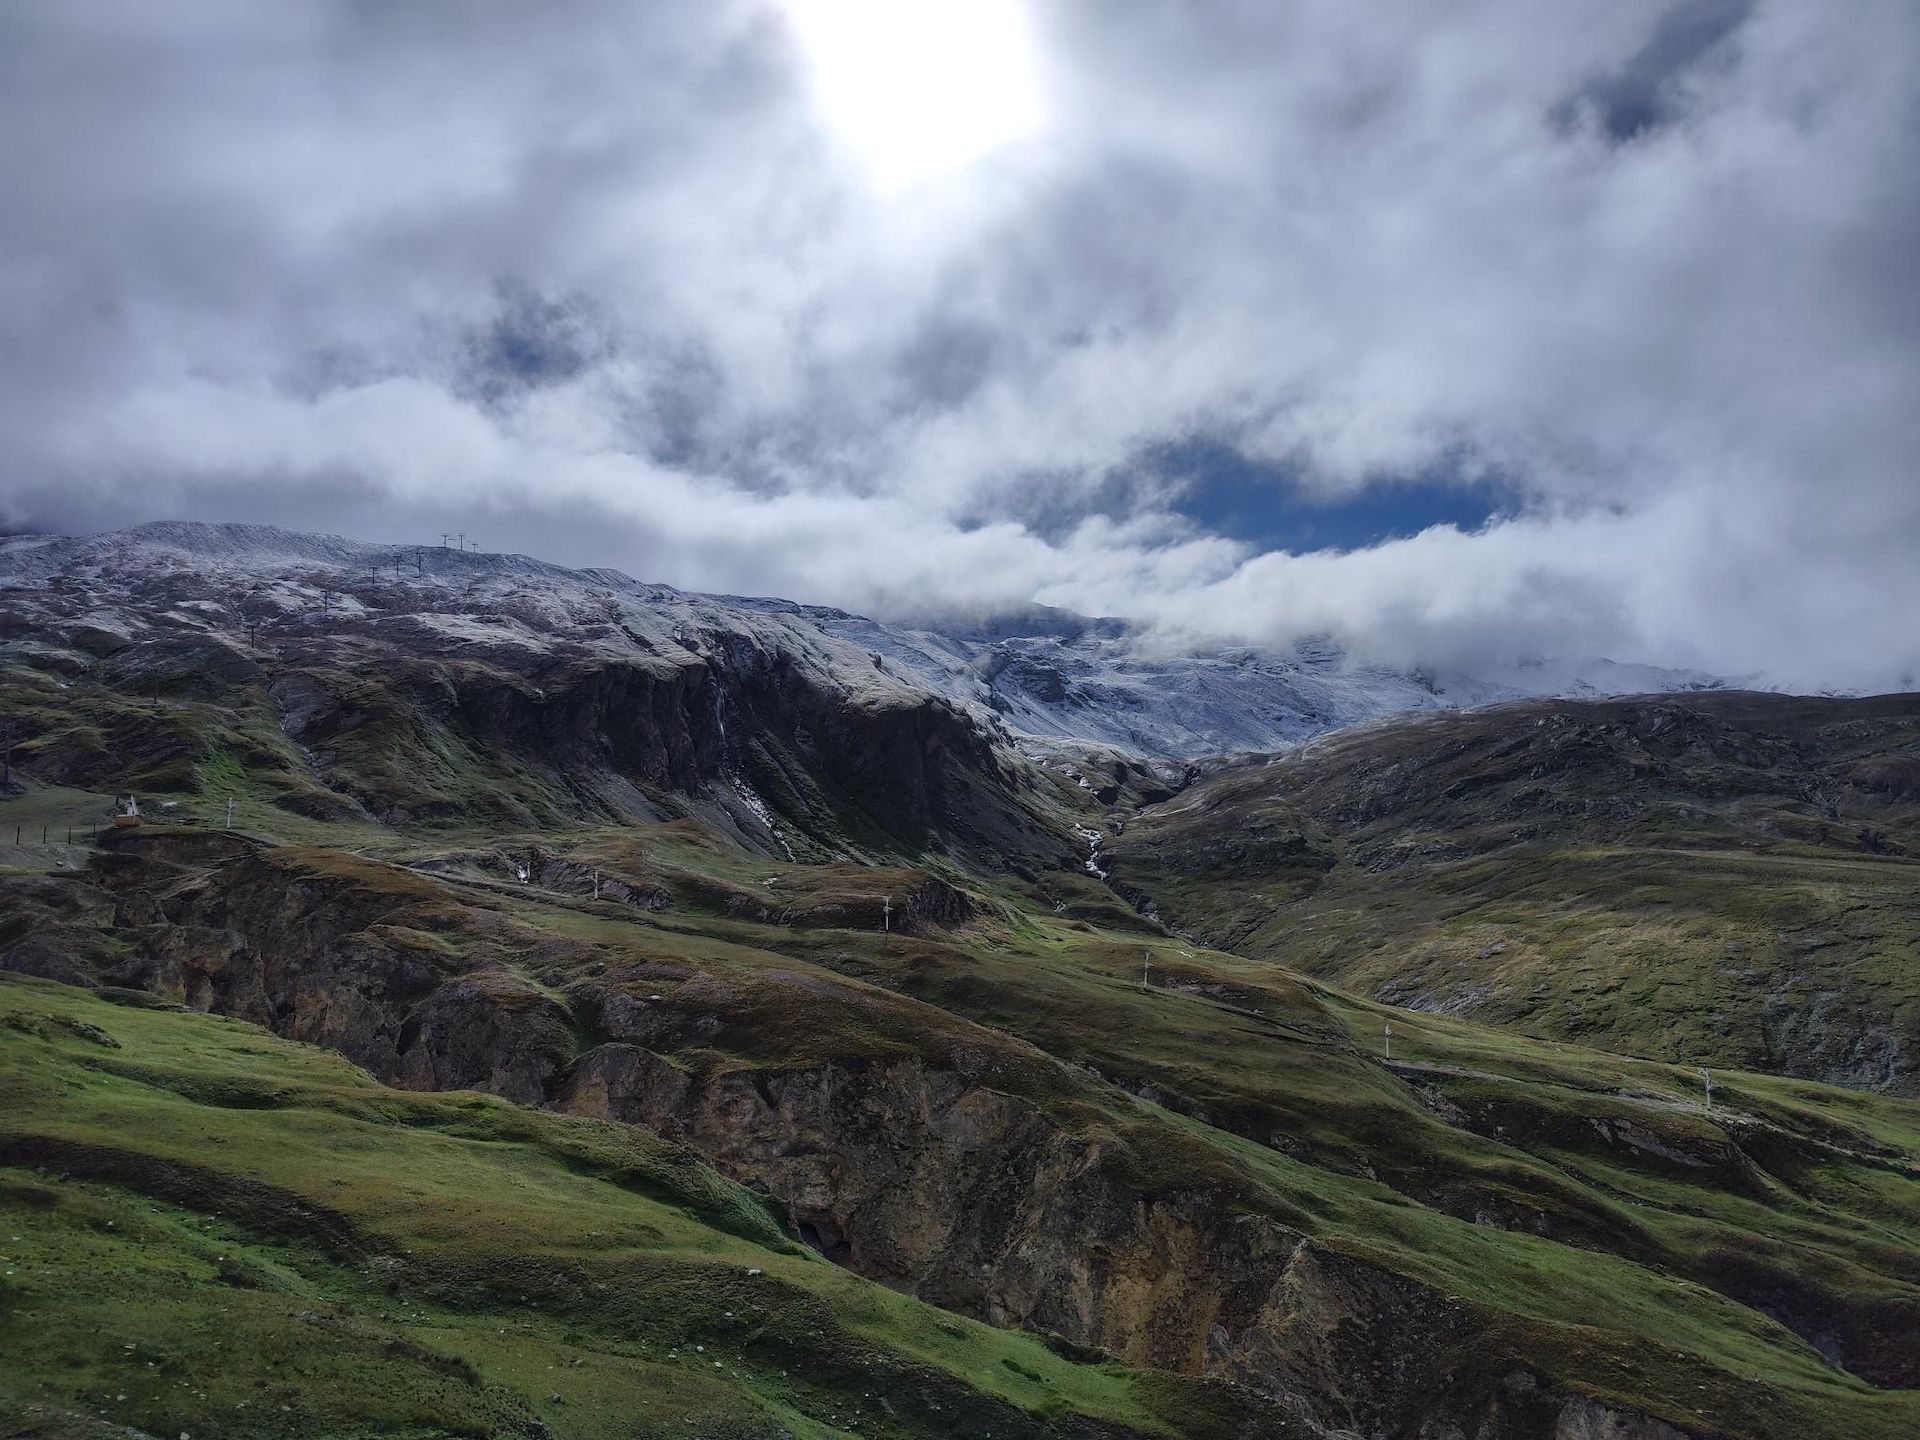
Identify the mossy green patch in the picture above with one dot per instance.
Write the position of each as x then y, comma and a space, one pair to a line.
279, 1246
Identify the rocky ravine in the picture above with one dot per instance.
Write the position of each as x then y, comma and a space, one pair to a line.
968, 1168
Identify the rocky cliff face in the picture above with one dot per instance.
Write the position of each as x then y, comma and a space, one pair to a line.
932, 1181
934, 1155
464, 688
1042, 674
320, 948
968, 1071
652, 725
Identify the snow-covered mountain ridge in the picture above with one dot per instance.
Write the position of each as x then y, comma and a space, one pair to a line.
1042, 675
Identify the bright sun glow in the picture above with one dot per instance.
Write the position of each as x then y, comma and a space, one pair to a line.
917, 86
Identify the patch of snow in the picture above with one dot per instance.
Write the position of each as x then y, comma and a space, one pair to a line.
1034, 677
1092, 837
760, 812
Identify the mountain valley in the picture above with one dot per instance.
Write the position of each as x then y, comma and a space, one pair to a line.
537, 1003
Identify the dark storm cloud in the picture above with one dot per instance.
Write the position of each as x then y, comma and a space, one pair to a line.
530, 341
1648, 89
597, 277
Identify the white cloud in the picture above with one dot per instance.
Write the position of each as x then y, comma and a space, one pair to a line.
599, 277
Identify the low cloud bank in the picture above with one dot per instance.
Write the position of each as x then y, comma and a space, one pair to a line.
598, 284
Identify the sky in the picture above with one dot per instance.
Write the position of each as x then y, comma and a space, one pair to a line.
1458, 331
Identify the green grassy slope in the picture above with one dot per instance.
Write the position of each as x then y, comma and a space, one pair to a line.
1520, 1206
1717, 879
209, 1229
376, 726
1574, 1194
1578, 1214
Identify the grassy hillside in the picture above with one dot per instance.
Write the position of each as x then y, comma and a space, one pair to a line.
425, 709
209, 1229
1718, 879
1215, 1173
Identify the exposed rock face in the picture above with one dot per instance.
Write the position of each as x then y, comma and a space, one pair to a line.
484, 1031
925, 904
905, 764
935, 905
938, 1172
1584, 1419
908, 765
486, 687
960, 1163
199, 667
923, 1179
56, 930
421, 743
319, 949
930, 1181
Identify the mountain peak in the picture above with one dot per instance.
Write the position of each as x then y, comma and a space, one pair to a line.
1038, 672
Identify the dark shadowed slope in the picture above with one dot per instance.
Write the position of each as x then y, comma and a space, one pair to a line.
1723, 879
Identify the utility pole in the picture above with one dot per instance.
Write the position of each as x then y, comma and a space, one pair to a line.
1389, 1034
1146, 965
1706, 1078
886, 913
596, 884
229, 812
445, 536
